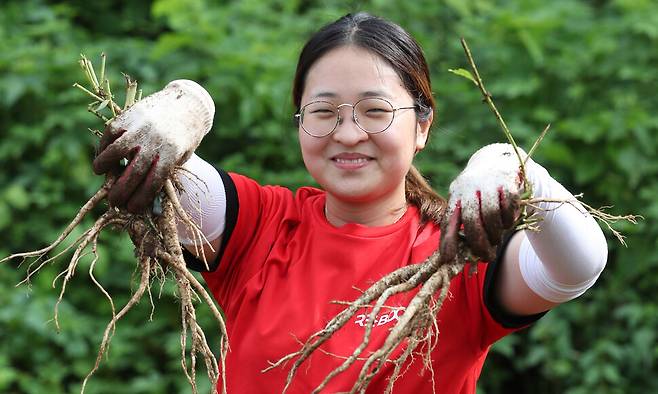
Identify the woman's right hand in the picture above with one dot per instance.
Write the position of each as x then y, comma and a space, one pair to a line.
484, 199
155, 135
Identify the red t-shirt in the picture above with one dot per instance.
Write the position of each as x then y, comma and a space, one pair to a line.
281, 266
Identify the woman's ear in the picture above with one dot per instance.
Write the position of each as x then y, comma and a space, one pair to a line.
423, 130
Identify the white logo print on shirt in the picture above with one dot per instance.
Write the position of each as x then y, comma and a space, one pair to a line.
380, 320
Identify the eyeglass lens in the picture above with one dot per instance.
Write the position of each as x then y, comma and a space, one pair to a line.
372, 115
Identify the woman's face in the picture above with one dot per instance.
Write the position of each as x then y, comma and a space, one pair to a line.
350, 164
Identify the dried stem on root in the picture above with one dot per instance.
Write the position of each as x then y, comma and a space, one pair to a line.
197, 235
408, 326
597, 213
414, 281
156, 246
145, 267
416, 328
86, 208
488, 99
344, 316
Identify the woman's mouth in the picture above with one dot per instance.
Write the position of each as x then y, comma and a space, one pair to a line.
351, 161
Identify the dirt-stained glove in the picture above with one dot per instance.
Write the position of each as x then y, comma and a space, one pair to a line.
485, 199
155, 135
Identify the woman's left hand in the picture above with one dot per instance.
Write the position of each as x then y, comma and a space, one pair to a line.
484, 198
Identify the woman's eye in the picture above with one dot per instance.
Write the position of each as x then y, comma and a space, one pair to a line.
324, 113
377, 111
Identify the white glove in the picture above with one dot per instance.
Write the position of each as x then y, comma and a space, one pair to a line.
485, 199
156, 134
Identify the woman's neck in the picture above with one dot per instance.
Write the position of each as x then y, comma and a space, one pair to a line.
381, 212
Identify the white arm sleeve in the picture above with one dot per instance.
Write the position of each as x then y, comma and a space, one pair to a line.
203, 198
568, 253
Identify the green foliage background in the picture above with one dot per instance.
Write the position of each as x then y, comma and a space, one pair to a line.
586, 67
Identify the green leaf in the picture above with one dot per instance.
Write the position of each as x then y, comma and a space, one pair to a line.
464, 74
102, 105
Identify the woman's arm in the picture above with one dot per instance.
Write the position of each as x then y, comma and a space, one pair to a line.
203, 197
541, 269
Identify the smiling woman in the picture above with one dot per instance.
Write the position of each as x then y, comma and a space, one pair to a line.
277, 261
362, 172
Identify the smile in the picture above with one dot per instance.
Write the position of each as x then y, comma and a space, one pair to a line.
351, 161
360, 160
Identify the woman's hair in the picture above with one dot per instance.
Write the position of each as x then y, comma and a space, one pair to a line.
402, 52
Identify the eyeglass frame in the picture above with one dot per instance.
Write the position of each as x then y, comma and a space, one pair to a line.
298, 115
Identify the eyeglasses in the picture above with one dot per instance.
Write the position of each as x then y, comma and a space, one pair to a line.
372, 115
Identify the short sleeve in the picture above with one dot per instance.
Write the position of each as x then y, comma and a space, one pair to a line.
499, 322
259, 216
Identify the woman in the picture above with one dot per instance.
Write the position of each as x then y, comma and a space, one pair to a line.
278, 259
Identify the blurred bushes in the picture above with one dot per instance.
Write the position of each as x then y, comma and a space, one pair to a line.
586, 67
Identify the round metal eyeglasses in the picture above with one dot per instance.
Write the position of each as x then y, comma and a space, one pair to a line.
372, 115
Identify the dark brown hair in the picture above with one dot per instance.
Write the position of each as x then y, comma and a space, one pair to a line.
402, 52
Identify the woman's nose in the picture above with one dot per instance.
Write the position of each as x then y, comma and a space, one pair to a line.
347, 131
